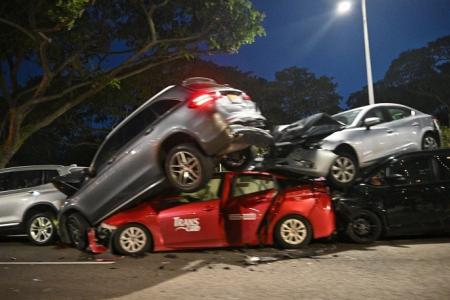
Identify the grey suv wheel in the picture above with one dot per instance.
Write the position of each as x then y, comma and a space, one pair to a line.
77, 229
187, 168
41, 228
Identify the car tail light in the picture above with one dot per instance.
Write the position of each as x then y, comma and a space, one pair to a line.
246, 97
202, 100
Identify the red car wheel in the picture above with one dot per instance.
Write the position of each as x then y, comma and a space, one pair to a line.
293, 232
132, 239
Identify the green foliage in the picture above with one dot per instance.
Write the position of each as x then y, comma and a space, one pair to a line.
80, 48
419, 78
445, 137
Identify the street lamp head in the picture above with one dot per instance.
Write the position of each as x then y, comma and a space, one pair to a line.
343, 7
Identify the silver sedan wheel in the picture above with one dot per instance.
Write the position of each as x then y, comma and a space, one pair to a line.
41, 229
185, 168
343, 169
430, 143
133, 239
293, 231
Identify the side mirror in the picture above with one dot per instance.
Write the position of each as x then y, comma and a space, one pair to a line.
371, 121
396, 179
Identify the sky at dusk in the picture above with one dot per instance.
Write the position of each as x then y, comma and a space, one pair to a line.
309, 33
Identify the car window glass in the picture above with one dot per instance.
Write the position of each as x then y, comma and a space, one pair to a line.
24, 179
375, 113
414, 170
209, 192
249, 184
4, 181
163, 106
442, 163
397, 113
347, 117
49, 175
125, 134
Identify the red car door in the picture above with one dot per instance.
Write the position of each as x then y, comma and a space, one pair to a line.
251, 196
195, 222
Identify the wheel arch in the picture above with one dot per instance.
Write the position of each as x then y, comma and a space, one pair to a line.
174, 139
347, 148
38, 208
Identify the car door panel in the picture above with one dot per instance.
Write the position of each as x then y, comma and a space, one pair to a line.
195, 224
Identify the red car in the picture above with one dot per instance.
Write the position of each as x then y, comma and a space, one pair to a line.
234, 209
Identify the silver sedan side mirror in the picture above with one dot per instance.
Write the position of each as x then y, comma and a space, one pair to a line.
371, 121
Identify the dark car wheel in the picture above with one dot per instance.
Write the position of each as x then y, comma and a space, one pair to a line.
132, 239
429, 142
292, 232
188, 169
364, 227
41, 229
238, 161
343, 171
77, 228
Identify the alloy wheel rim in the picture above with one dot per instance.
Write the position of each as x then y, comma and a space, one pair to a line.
293, 231
343, 169
133, 239
41, 229
185, 168
430, 143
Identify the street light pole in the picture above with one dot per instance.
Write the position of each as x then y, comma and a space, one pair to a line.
367, 52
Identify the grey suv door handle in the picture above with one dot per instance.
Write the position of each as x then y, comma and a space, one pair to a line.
148, 130
415, 124
389, 130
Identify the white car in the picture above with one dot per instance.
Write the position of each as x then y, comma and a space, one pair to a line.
29, 201
376, 131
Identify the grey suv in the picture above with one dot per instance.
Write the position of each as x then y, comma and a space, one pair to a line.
29, 202
174, 140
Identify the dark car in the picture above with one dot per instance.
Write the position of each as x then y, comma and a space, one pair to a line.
174, 140
404, 195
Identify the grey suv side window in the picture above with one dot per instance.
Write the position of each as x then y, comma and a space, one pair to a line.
442, 163
4, 181
23, 179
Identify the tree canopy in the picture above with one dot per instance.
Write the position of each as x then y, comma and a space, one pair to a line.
419, 78
55, 55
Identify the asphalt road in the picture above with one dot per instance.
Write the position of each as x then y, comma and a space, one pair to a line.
390, 269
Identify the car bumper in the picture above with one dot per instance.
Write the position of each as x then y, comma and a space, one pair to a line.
237, 137
309, 162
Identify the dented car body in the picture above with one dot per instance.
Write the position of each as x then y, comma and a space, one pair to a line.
174, 140
234, 209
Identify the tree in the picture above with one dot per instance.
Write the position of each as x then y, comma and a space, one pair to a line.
297, 93
55, 55
419, 78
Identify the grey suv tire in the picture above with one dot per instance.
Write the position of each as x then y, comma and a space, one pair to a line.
77, 228
188, 169
41, 229
343, 171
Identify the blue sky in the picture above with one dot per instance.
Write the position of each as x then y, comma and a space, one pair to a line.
308, 33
